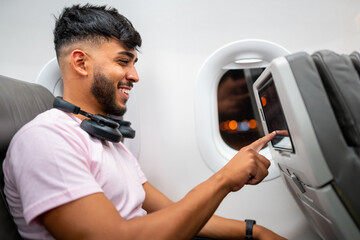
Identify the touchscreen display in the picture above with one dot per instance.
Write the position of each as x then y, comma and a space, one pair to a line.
274, 116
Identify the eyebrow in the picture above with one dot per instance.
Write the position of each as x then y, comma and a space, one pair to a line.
129, 54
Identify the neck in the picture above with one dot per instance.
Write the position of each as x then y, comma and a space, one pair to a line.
86, 102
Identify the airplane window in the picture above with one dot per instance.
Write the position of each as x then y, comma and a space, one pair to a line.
221, 130
239, 122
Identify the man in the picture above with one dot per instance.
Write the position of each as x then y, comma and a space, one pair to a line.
63, 183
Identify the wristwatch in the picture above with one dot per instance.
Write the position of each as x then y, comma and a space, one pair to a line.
249, 229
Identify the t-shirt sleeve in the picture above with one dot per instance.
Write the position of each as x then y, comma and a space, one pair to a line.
50, 168
140, 173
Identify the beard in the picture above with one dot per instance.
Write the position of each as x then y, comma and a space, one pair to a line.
105, 93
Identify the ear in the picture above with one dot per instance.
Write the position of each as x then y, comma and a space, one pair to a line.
79, 62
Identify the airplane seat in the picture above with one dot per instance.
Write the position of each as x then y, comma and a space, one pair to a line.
342, 85
340, 78
20, 102
314, 99
355, 58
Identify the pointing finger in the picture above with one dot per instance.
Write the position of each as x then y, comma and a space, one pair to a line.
261, 142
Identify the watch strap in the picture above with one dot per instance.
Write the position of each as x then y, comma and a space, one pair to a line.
249, 229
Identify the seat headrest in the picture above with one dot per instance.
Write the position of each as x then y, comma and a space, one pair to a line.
342, 85
20, 102
355, 58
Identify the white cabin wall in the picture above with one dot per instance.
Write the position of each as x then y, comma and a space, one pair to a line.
178, 36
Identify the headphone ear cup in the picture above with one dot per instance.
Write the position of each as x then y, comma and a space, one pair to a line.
101, 131
125, 129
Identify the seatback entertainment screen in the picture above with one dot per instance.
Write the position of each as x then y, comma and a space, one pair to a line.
274, 116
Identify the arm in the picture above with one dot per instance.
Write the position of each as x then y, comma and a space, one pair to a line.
222, 228
94, 216
217, 227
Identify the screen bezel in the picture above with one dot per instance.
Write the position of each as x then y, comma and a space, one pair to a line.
270, 80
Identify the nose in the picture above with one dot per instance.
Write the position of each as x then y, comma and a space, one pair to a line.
132, 75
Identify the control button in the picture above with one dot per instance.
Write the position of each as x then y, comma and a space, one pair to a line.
297, 183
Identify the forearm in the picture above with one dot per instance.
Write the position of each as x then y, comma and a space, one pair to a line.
183, 219
223, 228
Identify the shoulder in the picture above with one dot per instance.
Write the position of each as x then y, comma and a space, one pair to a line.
51, 122
49, 131
50, 138
53, 118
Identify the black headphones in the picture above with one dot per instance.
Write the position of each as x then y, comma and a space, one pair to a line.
99, 126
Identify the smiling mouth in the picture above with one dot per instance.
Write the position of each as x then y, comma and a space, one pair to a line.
126, 91
125, 88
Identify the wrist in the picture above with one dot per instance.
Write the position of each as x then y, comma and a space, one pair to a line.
257, 231
249, 229
222, 181
230, 179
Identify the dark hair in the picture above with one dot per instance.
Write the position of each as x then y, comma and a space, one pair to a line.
93, 23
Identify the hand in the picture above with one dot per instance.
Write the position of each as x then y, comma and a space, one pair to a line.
248, 166
262, 233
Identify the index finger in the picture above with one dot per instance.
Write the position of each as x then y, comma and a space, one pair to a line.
282, 132
260, 143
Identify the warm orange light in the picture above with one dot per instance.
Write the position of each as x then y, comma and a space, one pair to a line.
222, 126
226, 125
263, 101
252, 123
233, 124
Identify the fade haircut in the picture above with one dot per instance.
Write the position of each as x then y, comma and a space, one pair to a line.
93, 24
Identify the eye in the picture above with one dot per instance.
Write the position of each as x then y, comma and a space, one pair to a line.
123, 61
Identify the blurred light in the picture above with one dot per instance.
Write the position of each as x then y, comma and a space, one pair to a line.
233, 124
244, 126
222, 126
252, 123
226, 125
263, 101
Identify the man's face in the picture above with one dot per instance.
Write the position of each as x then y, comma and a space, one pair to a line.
113, 77
105, 93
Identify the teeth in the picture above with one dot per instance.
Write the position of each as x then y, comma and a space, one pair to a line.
127, 91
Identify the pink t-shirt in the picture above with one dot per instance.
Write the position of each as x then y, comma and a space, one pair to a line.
52, 161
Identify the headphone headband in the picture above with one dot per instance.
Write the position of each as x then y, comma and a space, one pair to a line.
97, 125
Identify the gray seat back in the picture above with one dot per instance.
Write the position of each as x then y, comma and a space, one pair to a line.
355, 58
342, 84
20, 102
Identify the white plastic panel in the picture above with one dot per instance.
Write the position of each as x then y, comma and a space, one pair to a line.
244, 54
50, 77
313, 173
